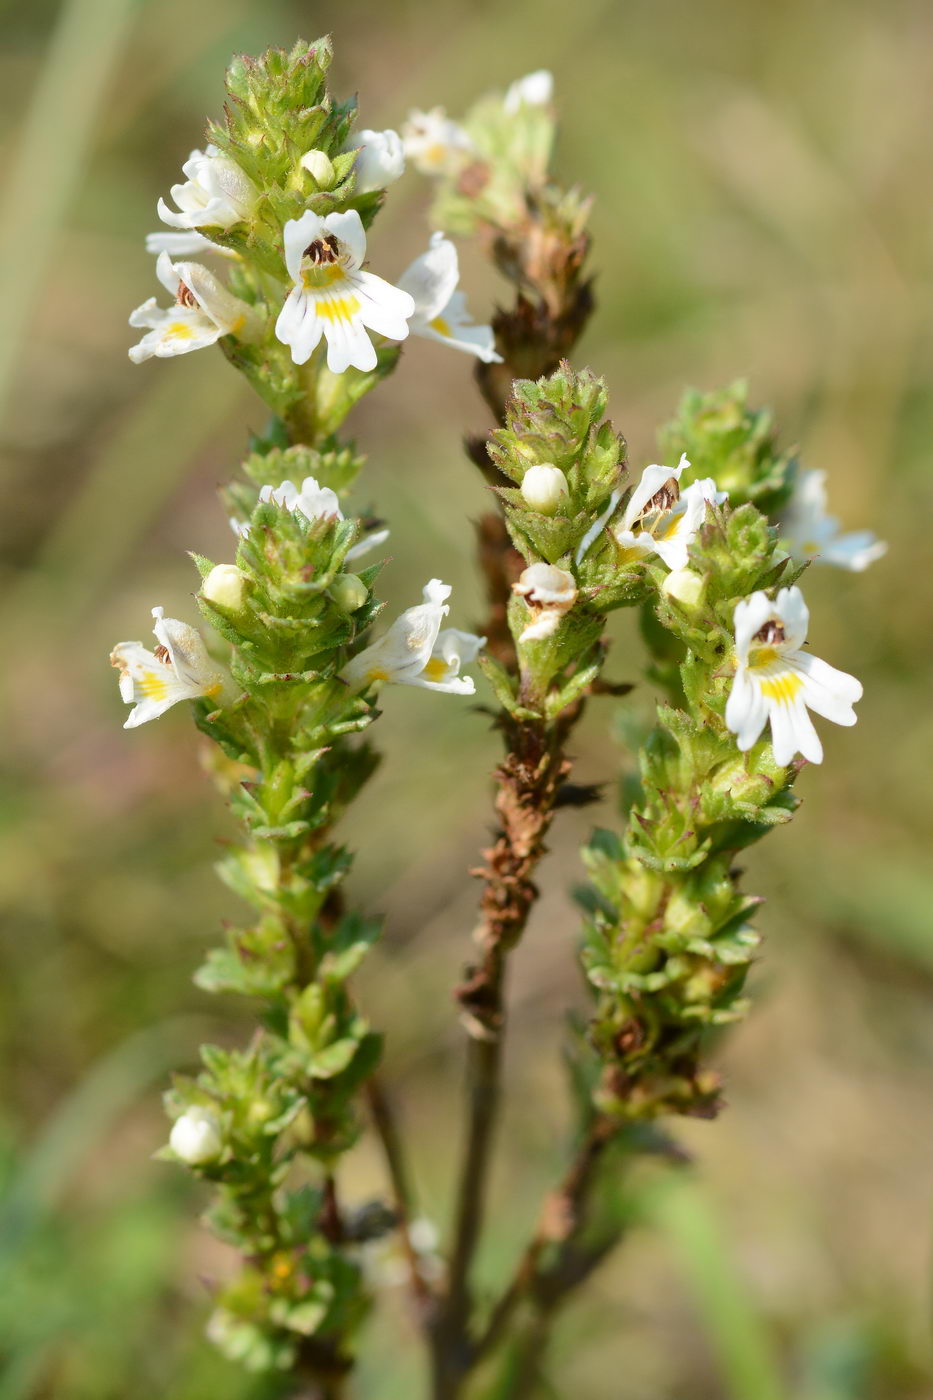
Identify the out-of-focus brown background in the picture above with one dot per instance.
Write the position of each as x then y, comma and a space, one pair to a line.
762, 178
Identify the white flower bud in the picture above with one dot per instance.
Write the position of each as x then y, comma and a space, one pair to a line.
544, 487
319, 167
195, 1138
348, 592
226, 587
686, 586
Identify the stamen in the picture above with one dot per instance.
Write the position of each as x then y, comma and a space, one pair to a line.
662, 500
323, 250
163, 654
185, 296
772, 634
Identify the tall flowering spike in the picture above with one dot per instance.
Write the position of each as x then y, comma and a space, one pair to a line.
440, 310
776, 682
178, 669
203, 311
434, 143
380, 159
415, 651
658, 518
809, 533
333, 297
216, 194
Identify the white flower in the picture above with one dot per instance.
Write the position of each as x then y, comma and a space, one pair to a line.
775, 681
185, 245
435, 144
658, 518
333, 297
203, 311
534, 90
178, 669
216, 194
809, 533
440, 310
544, 487
314, 502
195, 1137
381, 159
415, 651
550, 593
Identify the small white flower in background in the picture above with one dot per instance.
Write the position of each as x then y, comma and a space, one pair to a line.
216, 193
333, 297
440, 310
381, 159
314, 502
319, 166
178, 669
195, 1137
550, 594
809, 533
203, 311
434, 144
185, 245
777, 682
534, 90
544, 487
658, 518
415, 651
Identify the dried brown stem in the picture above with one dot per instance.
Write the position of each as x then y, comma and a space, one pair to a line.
552, 306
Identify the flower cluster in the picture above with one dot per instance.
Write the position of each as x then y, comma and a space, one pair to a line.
325, 293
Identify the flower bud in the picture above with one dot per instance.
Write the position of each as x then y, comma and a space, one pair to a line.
319, 167
348, 592
685, 586
544, 487
226, 588
195, 1138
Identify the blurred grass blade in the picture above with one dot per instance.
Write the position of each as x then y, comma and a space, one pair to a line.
83, 1119
51, 157
681, 1211
130, 482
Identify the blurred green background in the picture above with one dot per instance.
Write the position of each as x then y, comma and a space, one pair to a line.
762, 177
